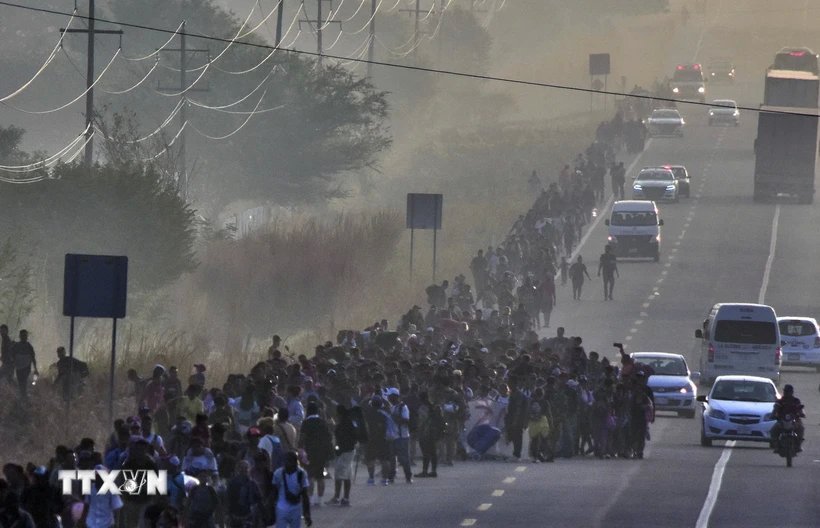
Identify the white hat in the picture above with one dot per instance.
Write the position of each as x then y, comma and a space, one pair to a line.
392, 391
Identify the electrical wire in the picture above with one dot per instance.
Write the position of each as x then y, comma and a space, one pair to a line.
63, 107
358, 52
47, 161
210, 62
42, 68
394, 6
351, 17
247, 120
158, 50
258, 86
247, 112
139, 83
265, 19
164, 124
421, 69
369, 20
169, 145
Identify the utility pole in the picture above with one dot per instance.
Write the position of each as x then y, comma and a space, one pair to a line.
89, 77
417, 33
183, 51
372, 42
279, 15
319, 23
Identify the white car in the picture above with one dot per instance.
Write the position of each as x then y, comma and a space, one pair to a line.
738, 408
672, 384
724, 111
665, 122
655, 183
800, 339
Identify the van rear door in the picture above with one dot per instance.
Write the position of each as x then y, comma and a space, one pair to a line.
745, 345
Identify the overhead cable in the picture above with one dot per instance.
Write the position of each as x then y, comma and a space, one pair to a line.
264, 19
369, 20
258, 86
63, 107
247, 120
42, 68
46, 161
139, 83
169, 145
158, 50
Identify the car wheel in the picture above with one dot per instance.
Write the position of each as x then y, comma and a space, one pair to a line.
704, 441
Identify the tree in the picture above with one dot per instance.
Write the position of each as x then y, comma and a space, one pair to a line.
110, 209
16, 291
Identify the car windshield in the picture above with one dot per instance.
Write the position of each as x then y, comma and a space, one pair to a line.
655, 175
746, 332
743, 390
637, 218
796, 328
724, 104
799, 60
664, 366
666, 114
688, 76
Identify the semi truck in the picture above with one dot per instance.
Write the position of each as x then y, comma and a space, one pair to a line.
786, 143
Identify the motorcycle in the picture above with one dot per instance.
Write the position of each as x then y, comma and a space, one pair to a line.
787, 440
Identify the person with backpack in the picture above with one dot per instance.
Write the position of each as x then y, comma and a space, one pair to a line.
400, 433
346, 438
431, 428
377, 448
243, 498
202, 502
315, 439
290, 487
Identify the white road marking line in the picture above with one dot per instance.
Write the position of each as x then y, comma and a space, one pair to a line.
628, 338
633, 330
682, 234
675, 250
508, 480
714, 487
484, 507
646, 305
468, 522
660, 280
639, 322
497, 493
644, 314
770, 260
686, 226
521, 469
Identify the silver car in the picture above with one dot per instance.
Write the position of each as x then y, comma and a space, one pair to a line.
724, 111
655, 183
672, 384
800, 338
738, 408
665, 122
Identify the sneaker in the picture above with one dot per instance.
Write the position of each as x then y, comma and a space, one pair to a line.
371, 482
345, 502
385, 482
409, 480
333, 502
421, 475
432, 474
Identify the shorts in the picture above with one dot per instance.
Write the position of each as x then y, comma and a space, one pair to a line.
343, 466
316, 469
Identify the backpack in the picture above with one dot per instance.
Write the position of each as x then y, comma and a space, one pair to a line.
277, 454
300, 479
391, 428
82, 369
240, 499
202, 502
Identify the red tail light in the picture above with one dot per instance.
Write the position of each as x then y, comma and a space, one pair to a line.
817, 342
797, 53
778, 354
711, 356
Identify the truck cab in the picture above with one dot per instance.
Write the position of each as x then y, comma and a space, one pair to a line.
635, 229
688, 82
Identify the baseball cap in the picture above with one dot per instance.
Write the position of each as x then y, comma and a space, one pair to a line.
254, 431
392, 391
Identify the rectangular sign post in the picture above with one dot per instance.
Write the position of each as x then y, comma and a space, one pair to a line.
95, 286
424, 211
599, 64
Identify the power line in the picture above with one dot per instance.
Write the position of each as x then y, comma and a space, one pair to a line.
408, 67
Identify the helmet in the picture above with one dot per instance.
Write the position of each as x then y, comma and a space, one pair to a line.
788, 390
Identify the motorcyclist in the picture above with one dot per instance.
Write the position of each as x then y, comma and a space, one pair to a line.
788, 404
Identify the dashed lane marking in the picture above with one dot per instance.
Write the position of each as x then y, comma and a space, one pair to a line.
497, 493
638, 322
508, 480
484, 507
633, 330
521, 469
646, 304
468, 522
628, 338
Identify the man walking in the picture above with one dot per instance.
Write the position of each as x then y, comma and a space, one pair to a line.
576, 274
7, 368
24, 360
608, 265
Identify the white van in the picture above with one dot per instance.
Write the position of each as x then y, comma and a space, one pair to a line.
739, 338
635, 229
